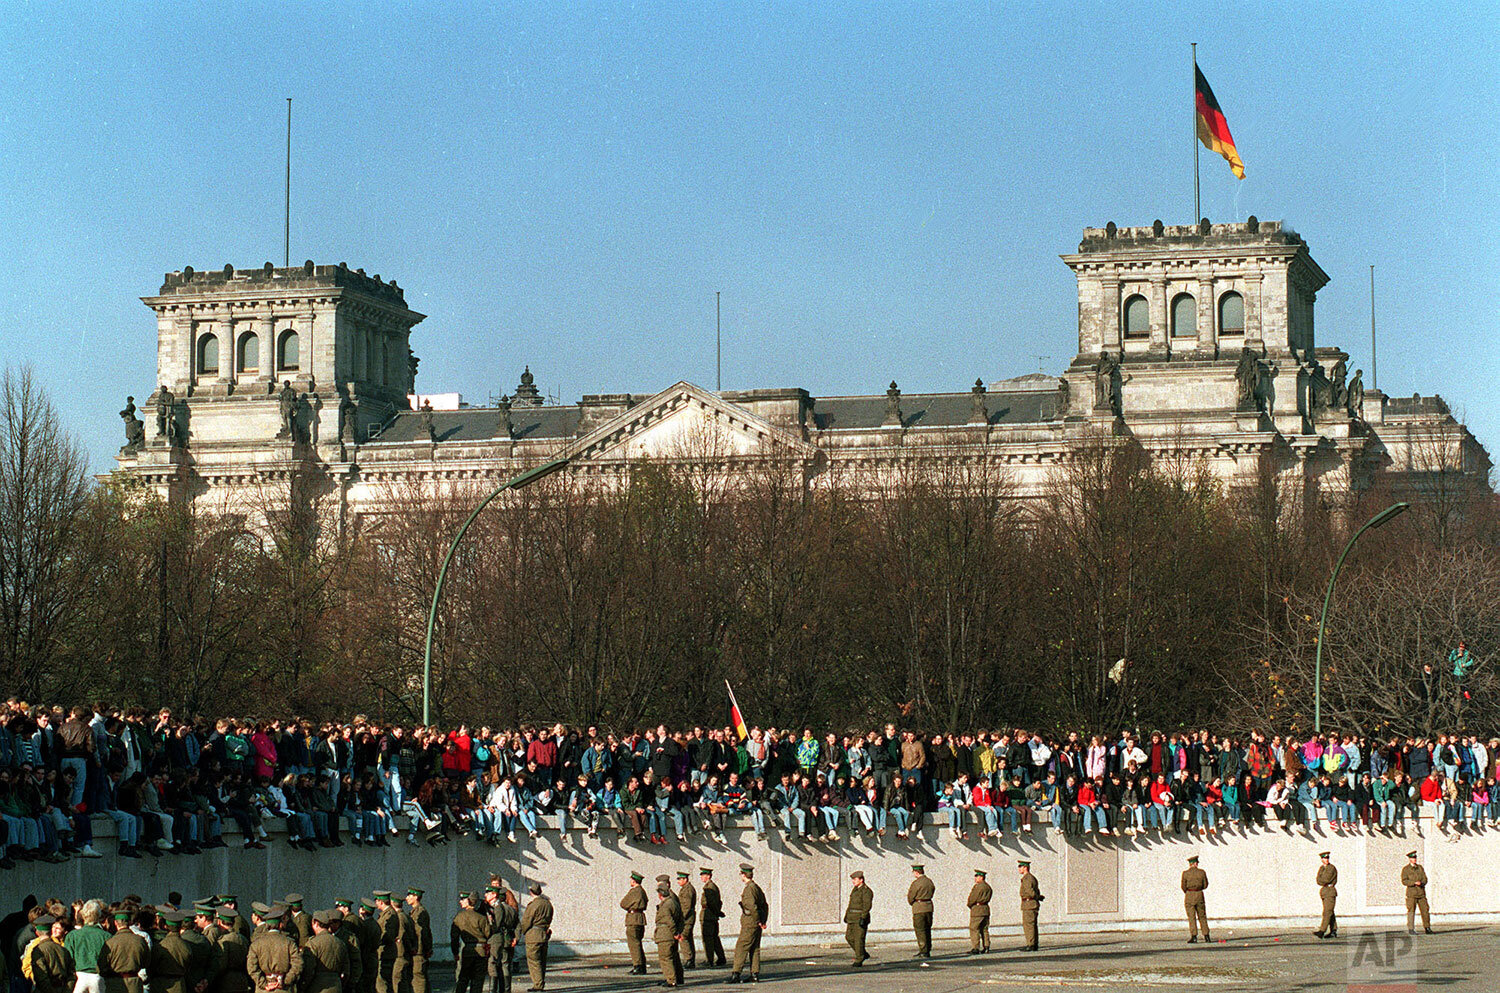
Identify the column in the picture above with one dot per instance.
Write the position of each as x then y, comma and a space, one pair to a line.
1206, 316
1253, 285
1158, 304
265, 362
1109, 311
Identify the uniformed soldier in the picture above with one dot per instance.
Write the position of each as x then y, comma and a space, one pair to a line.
1194, 882
919, 894
406, 948
754, 912
369, 945
668, 932
634, 904
857, 916
274, 962
708, 921
505, 919
346, 928
469, 939
536, 931
687, 898
241, 921
1414, 878
388, 929
421, 922
979, 914
123, 957
233, 948
52, 966
206, 961
1327, 880
300, 924
1031, 903
326, 956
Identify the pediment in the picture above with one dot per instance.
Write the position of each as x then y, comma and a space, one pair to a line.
686, 423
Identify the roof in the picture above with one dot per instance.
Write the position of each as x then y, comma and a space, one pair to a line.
919, 410
483, 424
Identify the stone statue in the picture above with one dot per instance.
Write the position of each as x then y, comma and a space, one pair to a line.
346, 417
411, 368
1357, 394
286, 401
1107, 384
135, 428
1337, 393
428, 431
1317, 384
1064, 397
166, 405
1247, 377
506, 429
979, 413
892, 406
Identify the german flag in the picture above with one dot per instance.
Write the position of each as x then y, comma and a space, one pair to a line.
735, 717
1213, 130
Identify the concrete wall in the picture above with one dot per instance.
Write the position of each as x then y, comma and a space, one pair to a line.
1265, 878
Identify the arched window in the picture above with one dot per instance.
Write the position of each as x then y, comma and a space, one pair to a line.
1231, 314
1184, 316
289, 354
249, 360
1137, 317
208, 355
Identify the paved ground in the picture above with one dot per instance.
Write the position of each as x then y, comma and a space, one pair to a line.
1367, 961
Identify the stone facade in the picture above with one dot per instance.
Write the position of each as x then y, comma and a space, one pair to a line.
1193, 342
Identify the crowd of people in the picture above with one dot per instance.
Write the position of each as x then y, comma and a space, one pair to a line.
171, 785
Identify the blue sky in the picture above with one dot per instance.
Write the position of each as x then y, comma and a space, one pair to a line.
880, 191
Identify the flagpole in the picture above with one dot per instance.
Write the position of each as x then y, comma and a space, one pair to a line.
1374, 378
287, 214
1197, 212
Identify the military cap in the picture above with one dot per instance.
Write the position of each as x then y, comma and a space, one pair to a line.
367, 903
44, 922
293, 900
1325, 855
857, 874
415, 891
682, 873
1411, 855
535, 887
1024, 863
664, 878
163, 908
273, 913
228, 914
381, 894
342, 901
320, 917
335, 915
918, 867
226, 898
492, 888
121, 914
203, 908
747, 868
704, 870
259, 909
637, 876
173, 917
979, 872
1192, 860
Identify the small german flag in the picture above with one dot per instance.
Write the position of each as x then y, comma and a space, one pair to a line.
1213, 130
735, 716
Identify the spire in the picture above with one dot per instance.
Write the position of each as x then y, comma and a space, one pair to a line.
892, 407
527, 395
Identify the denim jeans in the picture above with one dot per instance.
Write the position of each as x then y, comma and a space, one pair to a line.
991, 818
1156, 816
528, 820
1055, 812
81, 768
1093, 817
956, 818
127, 826
900, 814
788, 814
830, 818
1387, 812
1206, 815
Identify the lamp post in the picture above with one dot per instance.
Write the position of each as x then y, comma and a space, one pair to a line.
524, 479
1374, 522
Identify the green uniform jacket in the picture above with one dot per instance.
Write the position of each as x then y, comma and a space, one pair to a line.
536, 921
52, 968
203, 958
274, 954
754, 911
1031, 892
861, 900
634, 904
668, 919
233, 948
121, 962
1414, 878
470, 935
328, 958
713, 903
979, 900
388, 926
171, 964
687, 897
1328, 877
919, 894
421, 922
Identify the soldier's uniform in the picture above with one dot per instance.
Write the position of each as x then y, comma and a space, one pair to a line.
857, 918
979, 914
121, 960
634, 904
52, 966
536, 931
406, 951
713, 910
171, 959
326, 957
233, 948
274, 962
346, 928
1031, 903
228, 901
388, 929
1194, 882
919, 894
1414, 878
421, 922
369, 945
469, 939
205, 961
297, 917
754, 912
687, 899
667, 932
1327, 880
504, 922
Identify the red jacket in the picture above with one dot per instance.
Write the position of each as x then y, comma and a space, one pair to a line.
1086, 796
1431, 789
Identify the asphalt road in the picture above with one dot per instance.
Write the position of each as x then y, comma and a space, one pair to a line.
1366, 961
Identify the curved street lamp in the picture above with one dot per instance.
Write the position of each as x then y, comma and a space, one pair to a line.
524, 479
1381, 518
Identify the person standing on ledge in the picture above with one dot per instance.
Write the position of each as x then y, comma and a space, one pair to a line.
1031, 903
1327, 880
857, 917
1194, 882
536, 928
1414, 878
754, 912
713, 910
634, 904
668, 933
687, 898
979, 914
919, 894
